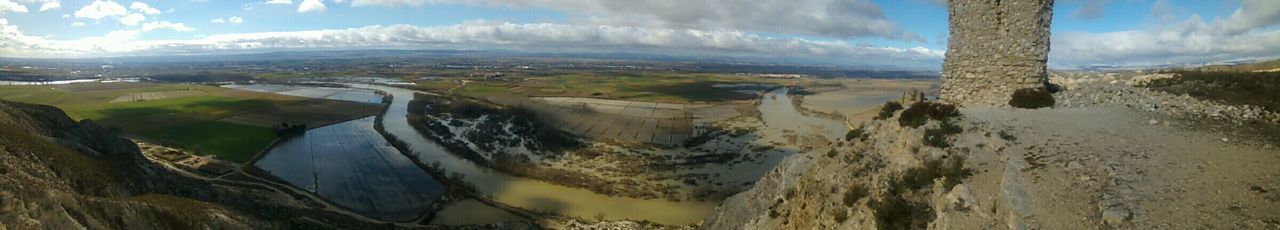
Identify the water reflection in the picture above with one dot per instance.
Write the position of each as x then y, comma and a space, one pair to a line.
351, 165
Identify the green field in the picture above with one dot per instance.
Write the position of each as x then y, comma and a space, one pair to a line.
188, 122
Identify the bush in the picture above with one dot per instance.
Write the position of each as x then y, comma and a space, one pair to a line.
856, 133
1032, 98
895, 212
940, 111
915, 116
855, 193
938, 137
951, 169
888, 109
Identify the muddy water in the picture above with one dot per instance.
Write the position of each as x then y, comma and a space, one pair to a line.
351, 165
779, 113
532, 194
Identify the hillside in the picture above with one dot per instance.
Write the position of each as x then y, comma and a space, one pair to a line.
56, 173
1109, 156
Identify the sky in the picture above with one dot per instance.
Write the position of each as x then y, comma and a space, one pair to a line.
906, 33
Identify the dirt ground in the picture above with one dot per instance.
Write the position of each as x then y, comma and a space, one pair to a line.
1116, 167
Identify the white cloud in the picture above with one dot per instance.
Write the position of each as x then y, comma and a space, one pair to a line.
10, 6
311, 6
543, 37
1248, 34
232, 20
282, 2
100, 9
166, 25
144, 8
831, 18
77, 24
50, 6
386, 2
132, 19
1253, 14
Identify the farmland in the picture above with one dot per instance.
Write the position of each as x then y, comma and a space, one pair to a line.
232, 124
637, 86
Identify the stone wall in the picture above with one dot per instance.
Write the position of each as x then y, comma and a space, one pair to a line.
996, 47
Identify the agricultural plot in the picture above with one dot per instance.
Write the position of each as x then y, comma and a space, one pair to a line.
148, 96
351, 165
231, 124
342, 94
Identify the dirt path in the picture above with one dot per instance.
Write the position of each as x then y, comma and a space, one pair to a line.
1118, 168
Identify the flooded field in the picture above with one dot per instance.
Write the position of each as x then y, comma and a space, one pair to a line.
666, 124
779, 113
848, 102
351, 165
532, 194
343, 94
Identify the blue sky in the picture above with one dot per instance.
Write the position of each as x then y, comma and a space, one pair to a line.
909, 33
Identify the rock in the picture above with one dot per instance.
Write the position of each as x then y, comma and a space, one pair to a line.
960, 198
1073, 165
1153, 122
1224, 140
1115, 216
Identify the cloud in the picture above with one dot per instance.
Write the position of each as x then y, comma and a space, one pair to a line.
232, 20
10, 6
166, 25
143, 8
1246, 35
386, 2
50, 6
1092, 9
1253, 14
544, 37
829, 18
100, 9
77, 24
311, 6
281, 2
132, 19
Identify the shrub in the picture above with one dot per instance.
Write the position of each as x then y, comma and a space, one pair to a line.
938, 137
940, 111
915, 116
951, 169
1032, 98
855, 193
888, 109
895, 212
842, 215
856, 133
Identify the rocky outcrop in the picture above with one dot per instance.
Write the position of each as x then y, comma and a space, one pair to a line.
1098, 90
886, 174
996, 47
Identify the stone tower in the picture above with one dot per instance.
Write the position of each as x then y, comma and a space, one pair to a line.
996, 47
